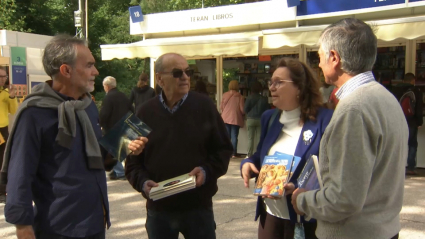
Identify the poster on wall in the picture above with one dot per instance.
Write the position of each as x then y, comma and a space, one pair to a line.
310, 7
19, 69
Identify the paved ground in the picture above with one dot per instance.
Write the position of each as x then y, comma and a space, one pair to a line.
234, 208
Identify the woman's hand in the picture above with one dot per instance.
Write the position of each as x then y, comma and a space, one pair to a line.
289, 188
247, 168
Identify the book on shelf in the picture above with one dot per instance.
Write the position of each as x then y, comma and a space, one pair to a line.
128, 128
275, 172
310, 178
172, 186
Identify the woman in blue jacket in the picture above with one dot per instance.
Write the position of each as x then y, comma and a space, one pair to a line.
295, 127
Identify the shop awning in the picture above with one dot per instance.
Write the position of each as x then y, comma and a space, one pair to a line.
386, 30
238, 44
4, 60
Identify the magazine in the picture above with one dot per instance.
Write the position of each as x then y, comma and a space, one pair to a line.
124, 131
310, 178
173, 186
275, 172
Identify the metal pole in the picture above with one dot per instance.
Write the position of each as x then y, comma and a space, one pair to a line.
202, 3
87, 19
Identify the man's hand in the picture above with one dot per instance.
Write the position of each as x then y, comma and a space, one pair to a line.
24, 232
148, 185
200, 177
289, 188
12, 91
294, 200
137, 145
247, 168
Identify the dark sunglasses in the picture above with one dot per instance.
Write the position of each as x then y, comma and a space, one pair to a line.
177, 73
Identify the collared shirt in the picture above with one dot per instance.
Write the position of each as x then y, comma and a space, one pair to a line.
354, 83
70, 198
176, 107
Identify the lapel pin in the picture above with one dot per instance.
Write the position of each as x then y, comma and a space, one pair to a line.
307, 135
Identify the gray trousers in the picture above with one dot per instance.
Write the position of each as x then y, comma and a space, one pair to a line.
254, 132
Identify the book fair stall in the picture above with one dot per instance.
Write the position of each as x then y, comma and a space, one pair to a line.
240, 42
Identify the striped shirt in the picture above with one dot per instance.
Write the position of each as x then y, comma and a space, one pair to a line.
354, 83
176, 107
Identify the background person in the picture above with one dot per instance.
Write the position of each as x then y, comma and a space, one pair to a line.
232, 112
142, 92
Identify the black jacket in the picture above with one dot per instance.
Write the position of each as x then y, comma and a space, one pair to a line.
114, 106
399, 90
141, 95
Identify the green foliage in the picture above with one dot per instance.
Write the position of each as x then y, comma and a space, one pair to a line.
10, 19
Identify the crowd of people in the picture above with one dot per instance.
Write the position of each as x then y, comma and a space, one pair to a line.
54, 168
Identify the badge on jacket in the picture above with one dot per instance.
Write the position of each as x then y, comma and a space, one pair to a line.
307, 135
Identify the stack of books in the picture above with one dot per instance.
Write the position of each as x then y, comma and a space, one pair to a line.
173, 186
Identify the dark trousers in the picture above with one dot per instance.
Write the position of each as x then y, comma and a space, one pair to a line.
233, 134
193, 224
5, 132
43, 235
413, 148
271, 227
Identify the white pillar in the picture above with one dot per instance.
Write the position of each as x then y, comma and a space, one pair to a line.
152, 72
219, 80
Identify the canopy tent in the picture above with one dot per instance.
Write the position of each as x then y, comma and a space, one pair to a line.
4, 61
237, 44
386, 30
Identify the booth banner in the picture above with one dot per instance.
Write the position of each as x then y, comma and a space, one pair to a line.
19, 69
136, 14
416, 0
310, 7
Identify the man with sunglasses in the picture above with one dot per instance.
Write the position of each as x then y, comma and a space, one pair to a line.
8, 105
188, 136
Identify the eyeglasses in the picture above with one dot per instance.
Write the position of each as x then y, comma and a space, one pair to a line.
5, 76
177, 73
276, 84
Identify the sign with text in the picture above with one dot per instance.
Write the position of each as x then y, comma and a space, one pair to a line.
19, 65
136, 14
216, 17
310, 7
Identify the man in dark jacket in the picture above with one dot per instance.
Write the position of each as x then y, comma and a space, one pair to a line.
188, 136
142, 93
413, 122
114, 106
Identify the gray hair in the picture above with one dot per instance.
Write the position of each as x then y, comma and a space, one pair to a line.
61, 49
110, 81
159, 62
355, 43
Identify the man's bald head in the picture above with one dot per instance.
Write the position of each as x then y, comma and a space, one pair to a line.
162, 62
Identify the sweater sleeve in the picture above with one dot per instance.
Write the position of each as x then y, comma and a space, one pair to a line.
241, 104
418, 108
105, 112
136, 173
219, 148
13, 105
132, 97
351, 152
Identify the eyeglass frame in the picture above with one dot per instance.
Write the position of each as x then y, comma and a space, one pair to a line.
5, 76
277, 84
174, 71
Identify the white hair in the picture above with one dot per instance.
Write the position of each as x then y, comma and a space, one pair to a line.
110, 81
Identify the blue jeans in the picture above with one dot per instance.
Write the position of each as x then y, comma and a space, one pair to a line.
119, 169
233, 133
193, 224
413, 148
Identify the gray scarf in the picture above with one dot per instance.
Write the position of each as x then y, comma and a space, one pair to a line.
44, 96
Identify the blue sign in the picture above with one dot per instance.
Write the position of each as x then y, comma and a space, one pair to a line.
415, 0
293, 3
136, 14
309, 7
19, 75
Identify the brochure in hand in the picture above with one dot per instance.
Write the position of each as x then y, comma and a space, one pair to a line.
275, 172
310, 178
124, 131
173, 186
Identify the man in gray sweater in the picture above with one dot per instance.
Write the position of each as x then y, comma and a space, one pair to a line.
363, 151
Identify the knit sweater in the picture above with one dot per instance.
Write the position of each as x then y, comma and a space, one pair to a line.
193, 136
362, 159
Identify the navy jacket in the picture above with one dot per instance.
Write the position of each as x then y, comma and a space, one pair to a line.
70, 199
303, 150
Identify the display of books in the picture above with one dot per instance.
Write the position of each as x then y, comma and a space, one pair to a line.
275, 172
124, 131
310, 178
173, 186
